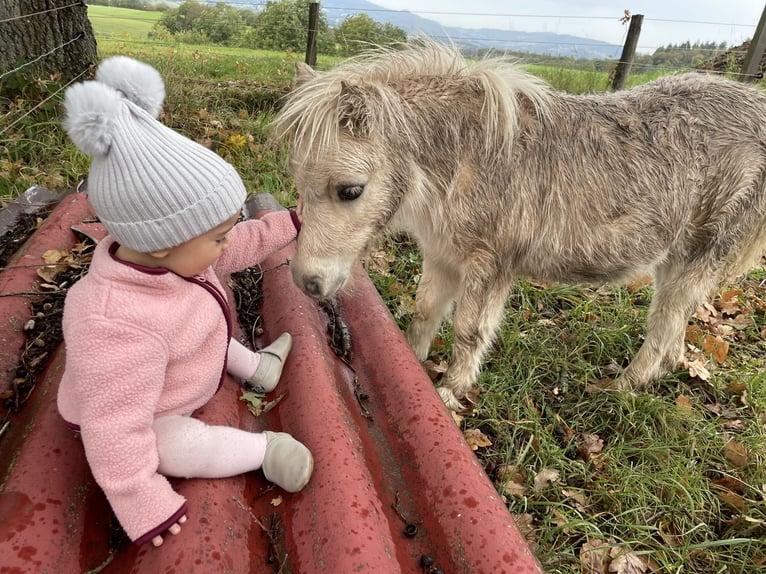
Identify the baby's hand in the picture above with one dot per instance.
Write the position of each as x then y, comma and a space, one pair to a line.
174, 529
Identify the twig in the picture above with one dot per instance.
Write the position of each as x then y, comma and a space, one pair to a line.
268, 531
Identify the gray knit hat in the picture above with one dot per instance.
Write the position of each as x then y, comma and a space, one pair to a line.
151, 187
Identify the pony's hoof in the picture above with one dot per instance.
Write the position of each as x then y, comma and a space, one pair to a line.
625, 385
450, 400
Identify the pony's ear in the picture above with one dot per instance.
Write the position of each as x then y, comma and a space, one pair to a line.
304, 73
354, 108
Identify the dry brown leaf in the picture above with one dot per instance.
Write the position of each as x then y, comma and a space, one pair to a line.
476, 439
671, 539
698, 369
740, 322
545, 477
626, 562
589, 446
694, 334
736, 453
578, 497
706, 313
56, 261
594, 557
734, 500
525, 522
514, 489
729, 302
434, 370
716, 347
734, 388
684, 402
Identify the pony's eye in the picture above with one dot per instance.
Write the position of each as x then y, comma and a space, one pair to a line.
350, 192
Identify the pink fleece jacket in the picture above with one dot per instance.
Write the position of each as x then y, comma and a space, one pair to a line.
143, 343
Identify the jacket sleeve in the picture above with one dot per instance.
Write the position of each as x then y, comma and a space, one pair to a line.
119, 374
255, 239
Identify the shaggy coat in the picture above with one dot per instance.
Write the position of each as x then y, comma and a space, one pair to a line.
497, 176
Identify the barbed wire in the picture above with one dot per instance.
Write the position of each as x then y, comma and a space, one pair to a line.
78, 3
6, 129
48, 53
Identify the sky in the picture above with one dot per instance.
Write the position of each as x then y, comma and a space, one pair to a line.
665, 21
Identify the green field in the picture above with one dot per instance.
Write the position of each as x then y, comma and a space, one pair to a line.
121, 23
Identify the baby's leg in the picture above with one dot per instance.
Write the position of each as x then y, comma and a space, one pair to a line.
260, 370
189, 448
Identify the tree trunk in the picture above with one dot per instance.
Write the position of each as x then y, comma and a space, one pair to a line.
57, 30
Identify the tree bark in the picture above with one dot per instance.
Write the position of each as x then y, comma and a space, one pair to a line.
56, 31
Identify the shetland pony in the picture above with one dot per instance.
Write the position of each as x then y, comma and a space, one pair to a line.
497, 176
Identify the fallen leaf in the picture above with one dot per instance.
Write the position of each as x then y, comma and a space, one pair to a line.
594, 557
740, 322
476, 439
576, 496
683, 402
698, 369
735, 452
729, 302
706, 313
514, 488
545, 477
734, 388
694, 334
626, 562
458, 418
734, 500
525, 523
589, 446
716, 348
254, 402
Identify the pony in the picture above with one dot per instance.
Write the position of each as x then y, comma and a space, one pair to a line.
497, 176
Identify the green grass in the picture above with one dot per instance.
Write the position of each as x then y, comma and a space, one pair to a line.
661, 487
121, 23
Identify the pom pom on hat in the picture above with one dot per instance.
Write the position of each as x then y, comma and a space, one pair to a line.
92, 109
151, 187
137, 81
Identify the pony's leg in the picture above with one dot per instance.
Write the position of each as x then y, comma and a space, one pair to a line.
436, 293
678, 289
477, 316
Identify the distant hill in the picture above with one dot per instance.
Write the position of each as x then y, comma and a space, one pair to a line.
530, 42
505, 40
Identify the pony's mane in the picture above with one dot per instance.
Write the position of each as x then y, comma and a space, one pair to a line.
309, 117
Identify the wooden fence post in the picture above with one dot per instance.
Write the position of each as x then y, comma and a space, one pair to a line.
628, 52
311, 41
752, 61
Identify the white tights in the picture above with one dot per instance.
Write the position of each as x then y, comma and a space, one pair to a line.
189, 448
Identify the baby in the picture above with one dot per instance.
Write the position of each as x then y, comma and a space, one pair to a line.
148, 331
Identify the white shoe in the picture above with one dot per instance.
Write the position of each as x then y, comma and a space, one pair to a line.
270, 366
287, 463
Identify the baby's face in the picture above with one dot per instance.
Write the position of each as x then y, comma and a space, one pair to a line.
196, 255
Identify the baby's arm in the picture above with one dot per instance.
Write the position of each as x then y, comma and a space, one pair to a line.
255, 239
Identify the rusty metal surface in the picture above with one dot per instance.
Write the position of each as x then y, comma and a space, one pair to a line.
394, 479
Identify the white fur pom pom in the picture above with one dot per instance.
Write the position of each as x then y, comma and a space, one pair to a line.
138, 82
91, 110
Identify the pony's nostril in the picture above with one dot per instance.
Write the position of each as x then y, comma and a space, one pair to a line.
313, 286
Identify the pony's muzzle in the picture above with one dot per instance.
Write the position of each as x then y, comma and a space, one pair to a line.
313, 286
